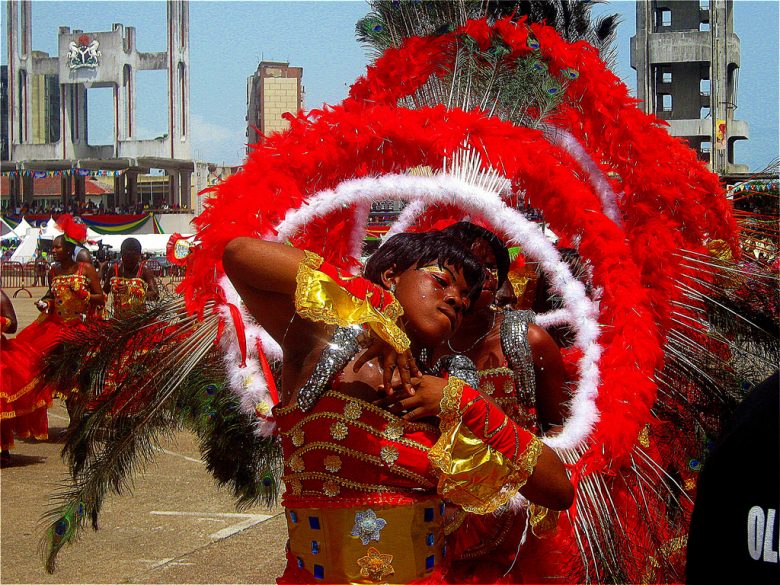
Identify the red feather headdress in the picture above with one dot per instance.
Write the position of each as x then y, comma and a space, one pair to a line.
74, 232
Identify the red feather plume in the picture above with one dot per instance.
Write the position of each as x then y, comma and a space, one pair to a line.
74, 231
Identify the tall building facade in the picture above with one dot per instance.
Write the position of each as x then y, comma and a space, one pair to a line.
274, 89
687, 60
45, 105
4, 150
47, 97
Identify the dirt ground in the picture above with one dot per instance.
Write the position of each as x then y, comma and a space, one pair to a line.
176, 526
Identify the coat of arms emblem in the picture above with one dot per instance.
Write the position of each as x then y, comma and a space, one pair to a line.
83, 53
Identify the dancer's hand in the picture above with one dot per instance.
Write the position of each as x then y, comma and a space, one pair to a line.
390, 361
424, 402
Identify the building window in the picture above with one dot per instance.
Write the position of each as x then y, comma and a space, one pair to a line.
666, 102
704, 87
666, 77
663, 17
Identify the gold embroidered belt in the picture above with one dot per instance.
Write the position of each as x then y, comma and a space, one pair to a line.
369, 544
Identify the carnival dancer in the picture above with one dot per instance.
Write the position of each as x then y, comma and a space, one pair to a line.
132, 284
362, 504
74, 294
519, 366
17, 409
530, 363
644, 225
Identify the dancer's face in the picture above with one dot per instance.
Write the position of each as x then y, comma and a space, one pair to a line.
482, 250
130, 257
58, 249
505, 296
433, 298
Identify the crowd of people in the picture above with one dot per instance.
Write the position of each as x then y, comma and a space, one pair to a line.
78, 207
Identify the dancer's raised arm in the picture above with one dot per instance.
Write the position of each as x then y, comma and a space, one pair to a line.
264, 274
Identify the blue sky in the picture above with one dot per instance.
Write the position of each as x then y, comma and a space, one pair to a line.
228, 39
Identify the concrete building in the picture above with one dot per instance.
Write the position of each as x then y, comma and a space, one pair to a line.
687, 59
275, 89
3, 112
48, 105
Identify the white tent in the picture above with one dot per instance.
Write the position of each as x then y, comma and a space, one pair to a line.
51, 230
22, 228
26, 250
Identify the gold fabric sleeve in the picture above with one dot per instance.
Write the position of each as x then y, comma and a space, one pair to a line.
320, 298
544, 521
472, 474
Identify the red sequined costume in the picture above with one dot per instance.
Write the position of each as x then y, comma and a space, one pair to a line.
365, 489
487, 549
129, 294
24, 398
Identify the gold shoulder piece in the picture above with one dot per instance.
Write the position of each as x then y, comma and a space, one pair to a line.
319, 298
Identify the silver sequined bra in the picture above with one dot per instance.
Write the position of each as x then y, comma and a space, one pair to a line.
517, 350
343, 346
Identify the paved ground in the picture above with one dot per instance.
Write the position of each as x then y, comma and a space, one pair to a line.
177, 526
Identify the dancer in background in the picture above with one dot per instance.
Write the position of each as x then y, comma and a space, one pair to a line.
520, 368
130, 283
73, 297
18, 409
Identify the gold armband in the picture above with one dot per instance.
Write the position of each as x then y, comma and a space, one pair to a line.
481, 465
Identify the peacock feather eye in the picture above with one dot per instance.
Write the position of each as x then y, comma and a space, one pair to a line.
61, 527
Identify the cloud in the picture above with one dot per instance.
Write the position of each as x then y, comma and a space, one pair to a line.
216, 143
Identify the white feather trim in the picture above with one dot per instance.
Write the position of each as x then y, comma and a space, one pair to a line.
598, 181
248, 383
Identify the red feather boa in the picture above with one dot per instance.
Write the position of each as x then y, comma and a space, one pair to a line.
669, 201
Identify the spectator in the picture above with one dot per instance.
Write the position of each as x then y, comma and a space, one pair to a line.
734, 527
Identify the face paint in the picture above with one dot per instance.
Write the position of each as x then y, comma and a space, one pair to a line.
433, 298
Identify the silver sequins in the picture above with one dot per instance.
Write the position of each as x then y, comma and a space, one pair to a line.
343, 346
517, 349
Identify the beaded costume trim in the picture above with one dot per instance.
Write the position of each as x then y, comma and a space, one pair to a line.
373, 459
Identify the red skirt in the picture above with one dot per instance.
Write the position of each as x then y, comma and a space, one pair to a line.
22, 410
24, 399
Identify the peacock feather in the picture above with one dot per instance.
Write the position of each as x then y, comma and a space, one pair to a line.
163, 374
